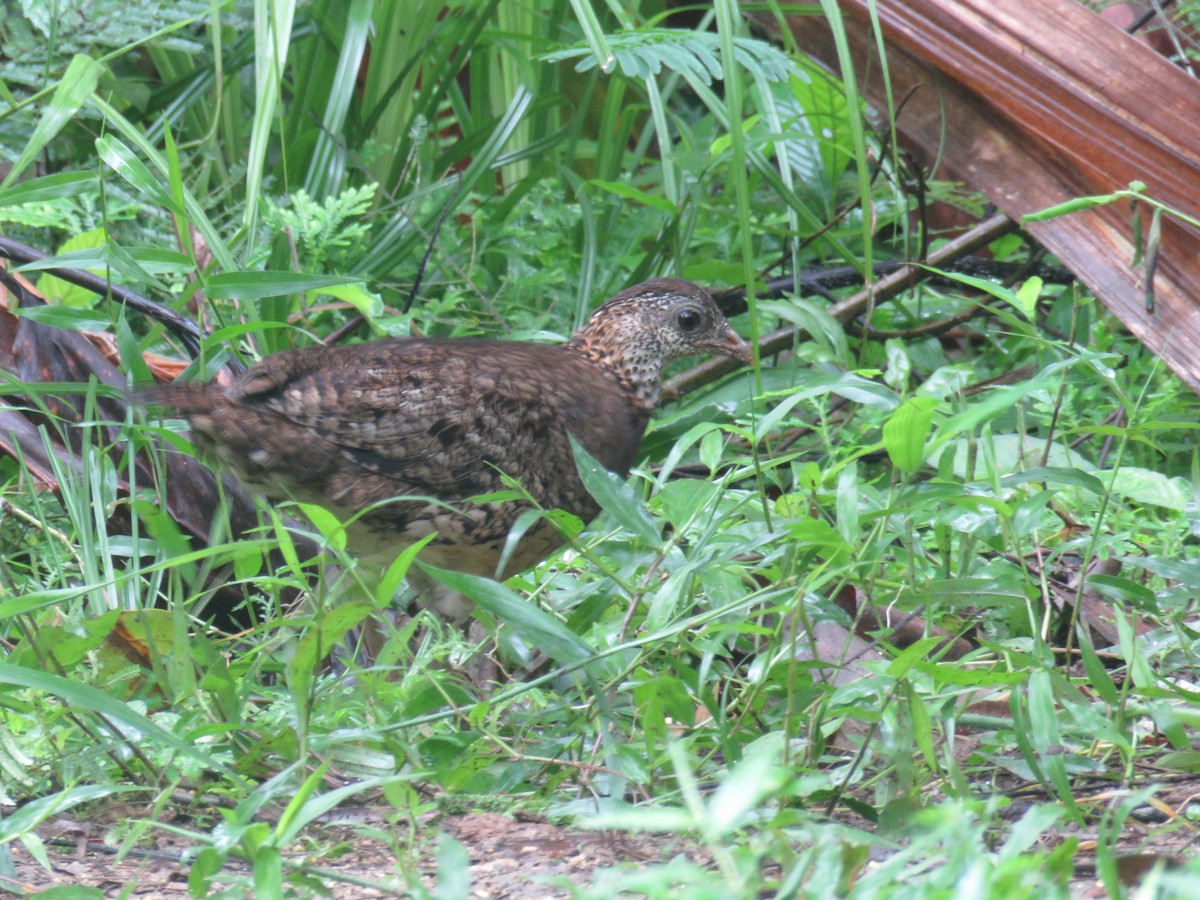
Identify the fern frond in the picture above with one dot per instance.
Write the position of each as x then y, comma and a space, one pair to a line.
645, 53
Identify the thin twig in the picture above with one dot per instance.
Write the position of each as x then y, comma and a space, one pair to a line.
885, 289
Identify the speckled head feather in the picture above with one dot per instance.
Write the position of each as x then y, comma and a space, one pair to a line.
636, 333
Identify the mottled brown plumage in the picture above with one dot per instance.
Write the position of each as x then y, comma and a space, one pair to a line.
402, 433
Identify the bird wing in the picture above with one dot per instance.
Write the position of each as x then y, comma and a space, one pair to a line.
434, 418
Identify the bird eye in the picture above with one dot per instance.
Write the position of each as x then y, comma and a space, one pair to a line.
689, 320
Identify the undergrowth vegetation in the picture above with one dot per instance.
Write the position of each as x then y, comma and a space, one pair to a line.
1021, 479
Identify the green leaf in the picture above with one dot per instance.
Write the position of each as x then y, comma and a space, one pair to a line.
257, 285
631, 193
999, 291
268, 872
1027, 296
68, 317
818, 384
84, 697
81, 251
77, 84
36, 811
537, 628
324, 635
741, 790
121, 160
357, 295
385, 590
94, 254
1180, 761
906, 431
1078, 204
1056, 475
48, 187
615, 496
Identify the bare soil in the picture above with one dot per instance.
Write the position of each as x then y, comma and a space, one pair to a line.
521, 859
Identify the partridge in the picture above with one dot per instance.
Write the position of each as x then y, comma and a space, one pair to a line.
401, 435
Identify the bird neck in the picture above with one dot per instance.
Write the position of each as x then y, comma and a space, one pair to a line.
636, 365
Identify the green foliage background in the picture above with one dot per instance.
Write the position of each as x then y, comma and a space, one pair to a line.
476, 167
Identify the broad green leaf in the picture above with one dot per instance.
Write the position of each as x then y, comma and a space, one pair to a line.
80, 251
537, 628
1155, 488
616, 497
356, 294
1180, 761
268, 871
257, 285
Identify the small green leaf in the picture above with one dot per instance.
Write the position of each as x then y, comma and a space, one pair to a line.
907, 430
357, 295
1027, 296
631, 193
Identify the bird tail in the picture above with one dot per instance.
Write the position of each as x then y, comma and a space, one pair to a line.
183, 397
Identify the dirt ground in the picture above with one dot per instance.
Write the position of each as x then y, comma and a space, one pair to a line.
509, 858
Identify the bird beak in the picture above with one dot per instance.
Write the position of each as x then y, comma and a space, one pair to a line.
730, 344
